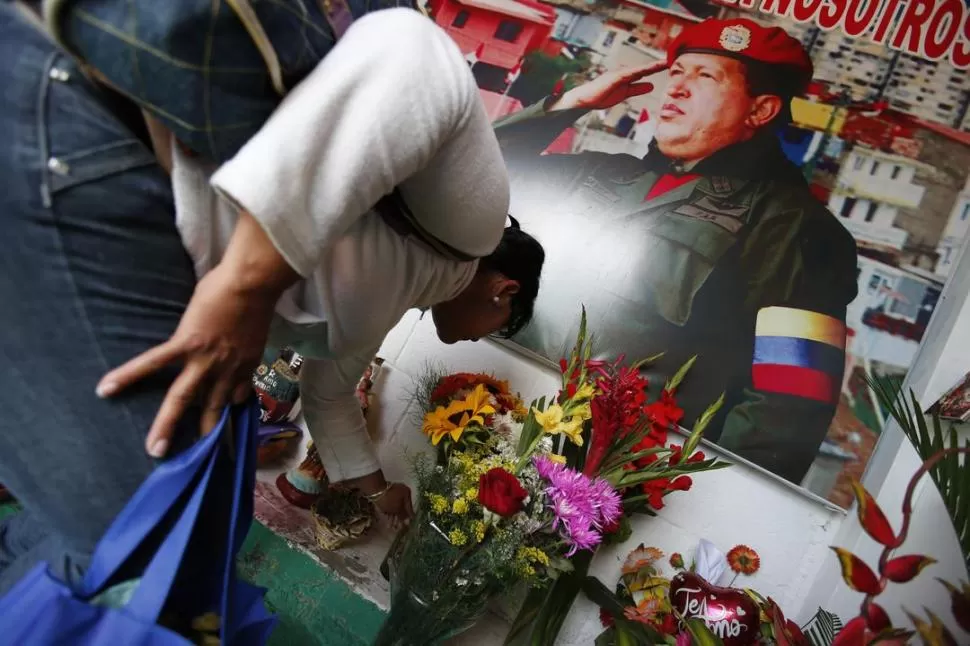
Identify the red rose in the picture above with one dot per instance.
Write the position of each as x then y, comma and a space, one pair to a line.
500, 492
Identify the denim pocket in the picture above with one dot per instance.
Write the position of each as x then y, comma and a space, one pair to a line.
81, 140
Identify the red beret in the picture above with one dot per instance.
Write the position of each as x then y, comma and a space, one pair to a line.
745, 40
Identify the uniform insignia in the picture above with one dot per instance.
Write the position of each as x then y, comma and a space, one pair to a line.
720, 184
735, 38
726, 216
800, 353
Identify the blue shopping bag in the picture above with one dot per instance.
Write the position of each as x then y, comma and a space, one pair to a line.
187, 521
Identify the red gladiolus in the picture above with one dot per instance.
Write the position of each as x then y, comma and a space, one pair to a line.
655, 490
903, 569
665, 412
500, 492
676, 455
681, 483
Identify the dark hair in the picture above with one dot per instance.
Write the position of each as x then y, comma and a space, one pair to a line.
518, 257
782, 81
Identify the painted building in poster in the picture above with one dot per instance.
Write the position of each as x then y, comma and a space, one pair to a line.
871, 188
499, 32
578, 27
956, 232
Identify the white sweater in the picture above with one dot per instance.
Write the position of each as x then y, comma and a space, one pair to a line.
393, 105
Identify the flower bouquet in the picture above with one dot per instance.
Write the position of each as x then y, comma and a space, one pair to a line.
625, 440
520, 495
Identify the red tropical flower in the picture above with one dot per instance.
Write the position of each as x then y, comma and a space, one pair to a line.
677, 561
871, 517
856, 574
876, 618
617, 409
852, 634
903, 569
743, 560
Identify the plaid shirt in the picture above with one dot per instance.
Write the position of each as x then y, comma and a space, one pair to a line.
201, 72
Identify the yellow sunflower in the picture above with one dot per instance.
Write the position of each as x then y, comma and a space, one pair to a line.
452, 420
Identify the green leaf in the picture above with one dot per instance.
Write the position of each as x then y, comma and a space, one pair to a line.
648, 361
602, 596
605, 638
951, 475
637, 477
617, 463
700, 634
705, 419
678, 377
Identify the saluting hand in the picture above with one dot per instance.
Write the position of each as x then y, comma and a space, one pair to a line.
610, 88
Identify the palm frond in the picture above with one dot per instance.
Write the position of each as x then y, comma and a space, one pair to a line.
952, 474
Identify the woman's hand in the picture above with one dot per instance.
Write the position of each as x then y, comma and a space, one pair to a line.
220, 339
396, 504
391, 499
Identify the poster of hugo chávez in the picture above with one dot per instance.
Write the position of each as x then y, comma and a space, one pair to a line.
778, 187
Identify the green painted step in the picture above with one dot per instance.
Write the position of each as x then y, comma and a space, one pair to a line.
315, 607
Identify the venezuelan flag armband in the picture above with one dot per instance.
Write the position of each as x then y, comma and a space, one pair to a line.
799, 353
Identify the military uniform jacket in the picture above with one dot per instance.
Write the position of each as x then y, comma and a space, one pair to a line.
737, 263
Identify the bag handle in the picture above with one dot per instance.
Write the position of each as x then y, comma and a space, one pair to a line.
156, 582
337, 13
244, 481
146, 509
247, 16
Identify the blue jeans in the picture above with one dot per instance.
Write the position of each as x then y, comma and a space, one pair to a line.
93, 272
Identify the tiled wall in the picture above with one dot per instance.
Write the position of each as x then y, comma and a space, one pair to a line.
736, 505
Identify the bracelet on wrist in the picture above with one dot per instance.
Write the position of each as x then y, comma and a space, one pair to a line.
374, 497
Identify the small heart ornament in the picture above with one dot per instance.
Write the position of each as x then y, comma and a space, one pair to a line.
729, 613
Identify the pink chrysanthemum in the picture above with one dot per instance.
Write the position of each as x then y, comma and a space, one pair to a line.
581, 507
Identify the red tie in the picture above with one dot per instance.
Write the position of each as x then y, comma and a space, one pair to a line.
667, 183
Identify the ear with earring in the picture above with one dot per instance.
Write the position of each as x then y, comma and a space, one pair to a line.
496, 300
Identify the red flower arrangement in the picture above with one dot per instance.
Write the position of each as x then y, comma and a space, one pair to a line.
449, 386
616, 408
664, 414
